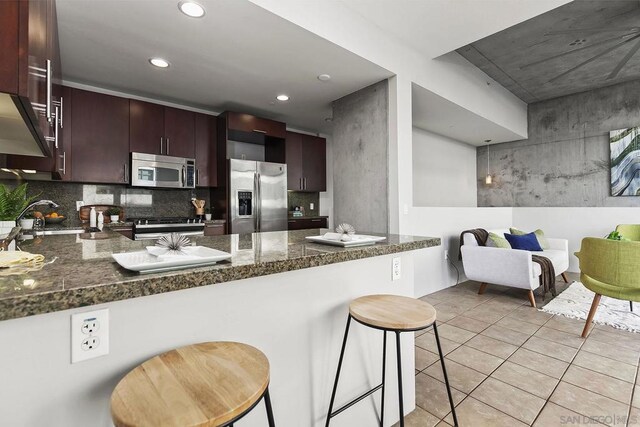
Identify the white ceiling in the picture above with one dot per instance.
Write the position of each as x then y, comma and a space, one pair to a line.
238, 57
435, 27
439, 115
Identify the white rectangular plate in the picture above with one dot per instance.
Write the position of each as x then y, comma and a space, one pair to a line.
356, 240
143, 262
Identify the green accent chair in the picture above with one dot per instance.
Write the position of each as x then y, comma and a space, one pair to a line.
610, 268
629, 231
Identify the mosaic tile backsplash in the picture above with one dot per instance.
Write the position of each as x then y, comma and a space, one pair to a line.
137, 202
299, 198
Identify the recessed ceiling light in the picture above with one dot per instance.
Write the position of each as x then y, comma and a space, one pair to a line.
191, 8
282, 97
324, 77
159, 62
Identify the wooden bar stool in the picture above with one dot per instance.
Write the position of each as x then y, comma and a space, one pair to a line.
206, 384
389, 313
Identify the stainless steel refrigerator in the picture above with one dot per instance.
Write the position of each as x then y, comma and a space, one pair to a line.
258, 196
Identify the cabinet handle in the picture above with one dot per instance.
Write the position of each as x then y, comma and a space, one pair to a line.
161, 145
300, 184
304, 180
48, 106
61, 112
56, 133
316, 220
125, 172
64, 163
197, 176
167, 146
260, 131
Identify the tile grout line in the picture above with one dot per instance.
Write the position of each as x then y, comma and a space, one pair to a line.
489, 375
633, 392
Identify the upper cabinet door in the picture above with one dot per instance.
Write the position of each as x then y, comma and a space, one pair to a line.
314, 163
248, 123
206, 170
100, 137
293, 155
179, 131
146, 129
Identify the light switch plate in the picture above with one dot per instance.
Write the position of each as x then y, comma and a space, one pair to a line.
396, 269
89, 335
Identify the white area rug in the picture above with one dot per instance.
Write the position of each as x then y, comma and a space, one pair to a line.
575, 303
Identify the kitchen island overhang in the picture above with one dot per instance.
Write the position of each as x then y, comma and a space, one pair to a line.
79, 270
295, 316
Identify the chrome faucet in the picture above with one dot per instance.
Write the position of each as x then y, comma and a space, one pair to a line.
51, 204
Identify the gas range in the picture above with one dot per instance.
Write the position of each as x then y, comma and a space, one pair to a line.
154, 228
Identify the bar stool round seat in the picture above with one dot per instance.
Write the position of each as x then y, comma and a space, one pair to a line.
205, 384
392, 312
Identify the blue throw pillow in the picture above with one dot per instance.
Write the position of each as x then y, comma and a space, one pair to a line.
527, 242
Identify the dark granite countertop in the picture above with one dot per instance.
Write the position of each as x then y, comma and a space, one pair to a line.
79, 270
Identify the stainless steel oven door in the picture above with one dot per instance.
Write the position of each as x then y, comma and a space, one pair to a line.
156, 236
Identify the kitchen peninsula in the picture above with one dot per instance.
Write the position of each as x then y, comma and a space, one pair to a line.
281, 294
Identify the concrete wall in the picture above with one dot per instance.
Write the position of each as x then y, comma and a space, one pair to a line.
360, 158
444, 171
565, 160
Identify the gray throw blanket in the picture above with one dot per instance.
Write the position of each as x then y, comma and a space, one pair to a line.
548, 276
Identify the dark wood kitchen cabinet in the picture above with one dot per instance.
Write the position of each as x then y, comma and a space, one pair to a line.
179, 131
99, 137
206, 150
306, 223
306, 158
156, 129
30, 58
146, 127
252, 124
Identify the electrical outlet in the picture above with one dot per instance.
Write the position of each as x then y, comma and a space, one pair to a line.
396, 272
79, 204
89, 335
445, 254
90, 326
90, 343
311, 206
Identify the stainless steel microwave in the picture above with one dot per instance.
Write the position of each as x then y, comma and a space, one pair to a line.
151, 170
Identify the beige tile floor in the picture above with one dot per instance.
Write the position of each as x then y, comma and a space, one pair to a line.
511, 365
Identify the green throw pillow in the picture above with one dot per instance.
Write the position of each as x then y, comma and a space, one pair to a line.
544, 243
496, 241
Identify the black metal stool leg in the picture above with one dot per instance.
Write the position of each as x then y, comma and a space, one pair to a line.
335, 384
384, 364
446, 379
400, 397
267, 403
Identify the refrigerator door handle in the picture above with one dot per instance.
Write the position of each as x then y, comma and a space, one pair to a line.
256, 198
259, 202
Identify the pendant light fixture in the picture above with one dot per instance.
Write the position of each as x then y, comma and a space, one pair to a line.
488, 179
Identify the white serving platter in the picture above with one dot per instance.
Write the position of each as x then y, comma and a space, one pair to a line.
356, 240
144, 262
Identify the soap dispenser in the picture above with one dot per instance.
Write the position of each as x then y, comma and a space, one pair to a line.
92, 218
